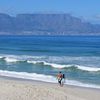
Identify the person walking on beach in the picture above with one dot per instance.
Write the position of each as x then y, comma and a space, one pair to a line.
59, 77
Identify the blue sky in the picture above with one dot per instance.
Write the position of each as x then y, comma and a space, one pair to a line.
86, 9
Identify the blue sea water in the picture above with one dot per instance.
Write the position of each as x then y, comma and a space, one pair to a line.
42, 57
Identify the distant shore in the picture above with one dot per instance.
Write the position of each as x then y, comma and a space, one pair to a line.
17, 89
46, 24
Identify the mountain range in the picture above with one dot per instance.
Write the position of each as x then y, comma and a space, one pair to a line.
46, 24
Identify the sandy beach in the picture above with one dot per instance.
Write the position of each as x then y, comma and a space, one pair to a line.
26, 90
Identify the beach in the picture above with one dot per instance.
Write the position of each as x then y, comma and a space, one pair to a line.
12, 89
29, 66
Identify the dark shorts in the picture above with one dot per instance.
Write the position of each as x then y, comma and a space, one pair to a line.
59, 81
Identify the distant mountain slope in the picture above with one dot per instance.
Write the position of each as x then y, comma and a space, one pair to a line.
56, 24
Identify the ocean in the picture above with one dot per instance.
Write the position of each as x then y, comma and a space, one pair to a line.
42, 57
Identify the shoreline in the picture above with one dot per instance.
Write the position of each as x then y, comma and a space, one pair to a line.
43, 82
21, 89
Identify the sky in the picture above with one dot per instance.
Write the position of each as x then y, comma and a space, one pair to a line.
85, 9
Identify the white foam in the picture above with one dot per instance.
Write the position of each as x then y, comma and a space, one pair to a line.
1, 57
55, 65
66, 66
25, 75
77, 66
14, 58
9, 59
88, 68
35, 62
44, 78
49, 64
44, 59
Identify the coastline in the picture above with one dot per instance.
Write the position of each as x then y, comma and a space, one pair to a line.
22, 89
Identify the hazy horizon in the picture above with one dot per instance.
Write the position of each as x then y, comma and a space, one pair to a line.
87, 10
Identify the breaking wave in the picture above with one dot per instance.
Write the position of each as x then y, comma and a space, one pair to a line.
43, 60
65, 66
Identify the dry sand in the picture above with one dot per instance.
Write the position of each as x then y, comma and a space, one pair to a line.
26, 90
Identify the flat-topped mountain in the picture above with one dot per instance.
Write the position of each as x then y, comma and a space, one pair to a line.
43, 24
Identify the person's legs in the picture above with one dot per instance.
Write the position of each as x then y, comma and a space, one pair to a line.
60, 83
